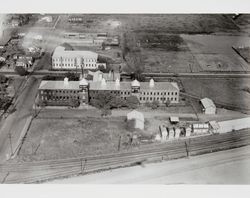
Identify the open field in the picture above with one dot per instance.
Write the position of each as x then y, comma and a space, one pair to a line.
166, 61
60, 138
55, 138
230, 92
192, 23
215, 52
243, 21
162, 52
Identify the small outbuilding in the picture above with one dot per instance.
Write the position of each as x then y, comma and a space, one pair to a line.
138, 117
174, 119
208, 106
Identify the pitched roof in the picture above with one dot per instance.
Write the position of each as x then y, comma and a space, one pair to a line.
59, 85
207, 103
61, 52
135, 115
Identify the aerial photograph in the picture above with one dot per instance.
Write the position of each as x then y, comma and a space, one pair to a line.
124, 98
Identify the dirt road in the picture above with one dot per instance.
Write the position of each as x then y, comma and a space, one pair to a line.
225, 167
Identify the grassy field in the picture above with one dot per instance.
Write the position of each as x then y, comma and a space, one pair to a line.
231, 92
60, 138
54, 138
215, 53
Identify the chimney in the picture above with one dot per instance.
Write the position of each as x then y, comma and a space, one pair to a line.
100, 77
117, 83
151, 83
66, 81
103, 83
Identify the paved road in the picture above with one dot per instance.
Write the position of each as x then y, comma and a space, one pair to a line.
225, 167
156, 75
15, 122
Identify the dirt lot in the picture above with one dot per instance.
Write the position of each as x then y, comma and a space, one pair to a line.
173, 23
231, 92
215, 52
165, 61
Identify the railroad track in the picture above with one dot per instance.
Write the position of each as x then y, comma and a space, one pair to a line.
34, 172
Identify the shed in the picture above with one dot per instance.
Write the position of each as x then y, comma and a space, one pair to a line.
214, 126
188, 131
138, 117
163, 132
177, 132
200, 128
170, 133
174, 119
208, 106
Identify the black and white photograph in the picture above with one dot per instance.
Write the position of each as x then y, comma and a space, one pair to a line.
124, 98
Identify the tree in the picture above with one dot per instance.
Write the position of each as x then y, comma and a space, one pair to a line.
72, 76
117, 102
21, 71
132, 102
167, 103
73, 102
155, 104
102, 100
105, 112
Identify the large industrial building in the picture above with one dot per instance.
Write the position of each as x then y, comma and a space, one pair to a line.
74, 59
61, 92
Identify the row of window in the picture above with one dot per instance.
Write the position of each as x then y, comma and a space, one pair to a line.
73, 65
159, 93
58, 91
157, 98
59, 97
73, 59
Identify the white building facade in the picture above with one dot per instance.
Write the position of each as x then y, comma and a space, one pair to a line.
70, 60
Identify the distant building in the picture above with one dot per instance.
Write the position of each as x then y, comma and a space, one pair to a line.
75, 19
70, 59
138, 117
98, 76
208, 106
5, 37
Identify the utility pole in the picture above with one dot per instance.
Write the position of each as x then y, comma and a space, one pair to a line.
187, 149
9, 135
119, 143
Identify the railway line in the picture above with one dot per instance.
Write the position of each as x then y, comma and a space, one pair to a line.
41, 171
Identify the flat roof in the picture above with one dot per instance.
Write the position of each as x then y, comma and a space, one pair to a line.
174, 119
